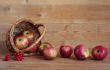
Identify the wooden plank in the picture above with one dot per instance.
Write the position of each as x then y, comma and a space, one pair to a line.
12, 10
12, 2
62, 2
56, 14
104, 27
104, 36
73, 13
89, 12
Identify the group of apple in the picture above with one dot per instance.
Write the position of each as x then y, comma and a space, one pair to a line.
23, 40
80, 51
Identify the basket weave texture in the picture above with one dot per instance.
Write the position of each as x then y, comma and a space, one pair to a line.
19, 27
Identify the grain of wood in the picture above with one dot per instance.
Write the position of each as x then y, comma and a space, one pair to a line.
89, 12
56, 14
105, 27
74, 13
12, 2
62, 2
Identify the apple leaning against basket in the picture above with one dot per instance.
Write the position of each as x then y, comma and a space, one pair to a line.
43, 46
48, 51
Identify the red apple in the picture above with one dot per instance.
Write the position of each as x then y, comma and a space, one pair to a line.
99, 52
81, 52
49, 53
21, 42
29, 34
66, 51
43, 46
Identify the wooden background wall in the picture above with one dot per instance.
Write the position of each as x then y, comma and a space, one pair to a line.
68, 21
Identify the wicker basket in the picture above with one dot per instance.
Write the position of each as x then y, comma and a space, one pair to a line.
20, 26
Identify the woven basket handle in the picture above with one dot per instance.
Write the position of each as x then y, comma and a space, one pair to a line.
38, 40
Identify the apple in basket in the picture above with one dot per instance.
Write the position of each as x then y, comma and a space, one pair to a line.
99, 52
35, 48
43, 46
81, 52
29, 34
21, 42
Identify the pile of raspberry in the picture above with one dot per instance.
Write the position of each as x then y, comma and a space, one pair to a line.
7, 57
17, 56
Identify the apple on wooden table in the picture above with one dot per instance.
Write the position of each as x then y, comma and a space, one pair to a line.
81, 52
99, 52
66, 51
49, 53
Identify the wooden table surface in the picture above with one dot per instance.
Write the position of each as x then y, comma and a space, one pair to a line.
38, 63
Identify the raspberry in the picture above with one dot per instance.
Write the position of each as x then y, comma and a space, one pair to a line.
19, 56
7, 57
